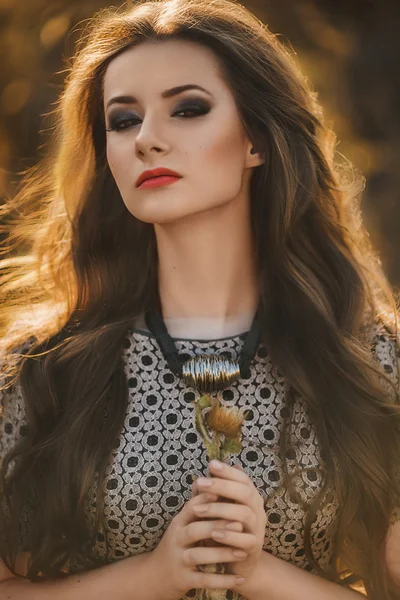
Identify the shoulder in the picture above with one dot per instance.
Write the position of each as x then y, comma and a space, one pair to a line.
385, 347
12, 408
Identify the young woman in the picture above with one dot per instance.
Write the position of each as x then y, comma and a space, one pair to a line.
251, 250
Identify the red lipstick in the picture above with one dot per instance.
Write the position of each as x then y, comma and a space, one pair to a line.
154, 174
158, 181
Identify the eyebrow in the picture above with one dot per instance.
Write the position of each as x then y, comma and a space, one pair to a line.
165, 94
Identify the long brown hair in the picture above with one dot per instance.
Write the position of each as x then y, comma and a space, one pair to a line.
75, 289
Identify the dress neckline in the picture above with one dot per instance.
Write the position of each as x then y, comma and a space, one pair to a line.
201, 328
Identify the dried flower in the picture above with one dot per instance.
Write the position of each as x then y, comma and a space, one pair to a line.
228, 421
220, 430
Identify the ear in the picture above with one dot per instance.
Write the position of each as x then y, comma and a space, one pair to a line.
255, 158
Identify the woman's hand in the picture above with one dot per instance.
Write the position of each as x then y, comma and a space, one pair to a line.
176, 558
248, 509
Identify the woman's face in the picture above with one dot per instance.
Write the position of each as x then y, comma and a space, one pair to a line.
211, 151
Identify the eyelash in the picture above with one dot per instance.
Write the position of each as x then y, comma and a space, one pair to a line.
198, 109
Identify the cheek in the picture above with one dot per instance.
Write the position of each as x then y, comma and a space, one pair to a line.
118, 164
224, 154
221, 171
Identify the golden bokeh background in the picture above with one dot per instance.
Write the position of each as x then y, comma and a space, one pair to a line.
349, 49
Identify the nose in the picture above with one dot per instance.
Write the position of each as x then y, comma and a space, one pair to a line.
148, 140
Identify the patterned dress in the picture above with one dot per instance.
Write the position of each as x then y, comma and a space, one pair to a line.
149, 476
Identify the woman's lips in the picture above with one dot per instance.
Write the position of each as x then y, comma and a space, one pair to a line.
158, 181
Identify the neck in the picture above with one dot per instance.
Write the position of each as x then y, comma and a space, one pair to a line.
206, 264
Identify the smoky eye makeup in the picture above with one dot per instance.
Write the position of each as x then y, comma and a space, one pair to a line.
123, 119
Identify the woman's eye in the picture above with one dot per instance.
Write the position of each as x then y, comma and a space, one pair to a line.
121, 122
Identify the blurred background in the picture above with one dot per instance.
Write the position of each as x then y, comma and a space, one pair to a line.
350, 50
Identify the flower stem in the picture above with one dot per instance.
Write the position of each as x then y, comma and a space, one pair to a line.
202, 429
216, 446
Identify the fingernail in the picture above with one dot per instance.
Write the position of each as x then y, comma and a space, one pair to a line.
216, 464
204, 482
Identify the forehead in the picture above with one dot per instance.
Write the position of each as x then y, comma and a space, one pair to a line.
154, 66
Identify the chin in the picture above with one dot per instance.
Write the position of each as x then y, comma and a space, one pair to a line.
160, 214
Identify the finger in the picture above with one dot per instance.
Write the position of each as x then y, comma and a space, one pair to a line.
239, 492
187, 514
197, 531
202, 497
243, 541
200, 555
196, 492
228, 472
231, 512
234, 526
214, 581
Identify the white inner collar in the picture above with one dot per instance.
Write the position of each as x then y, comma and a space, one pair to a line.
205, 328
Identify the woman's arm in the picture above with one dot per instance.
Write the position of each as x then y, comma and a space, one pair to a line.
125, 579
277, 579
